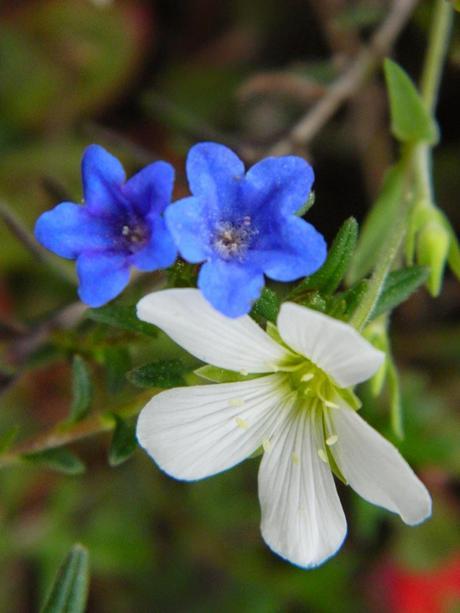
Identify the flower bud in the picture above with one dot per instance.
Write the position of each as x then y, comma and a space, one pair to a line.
432, 250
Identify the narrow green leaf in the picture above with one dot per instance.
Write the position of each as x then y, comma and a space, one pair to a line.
122, 316
82, 389
221, 375
69, 592
396, 415
267, 306
328, 277
117, 362
399, 285
410, 120
378, 225
353, 296
124, 441
59, 459
163, 373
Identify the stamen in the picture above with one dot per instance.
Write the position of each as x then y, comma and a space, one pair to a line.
323, 455
331, 405
295, 458
232, 239
241, 423
331, 440
307, 377
266, 444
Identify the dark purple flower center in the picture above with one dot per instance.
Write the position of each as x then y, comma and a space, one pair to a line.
134, 236
232, 239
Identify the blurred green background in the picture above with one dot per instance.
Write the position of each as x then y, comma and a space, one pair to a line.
146, 80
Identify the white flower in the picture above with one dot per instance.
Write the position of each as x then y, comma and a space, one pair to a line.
299, 411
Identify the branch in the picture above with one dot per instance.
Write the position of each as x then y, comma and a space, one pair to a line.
349, 83
65, 434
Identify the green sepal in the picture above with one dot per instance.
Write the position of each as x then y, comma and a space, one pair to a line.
69, 592
163, 374
221, 375
82, 390
59, 459
267, 306
122, 316
398, 286
350, 398
411, 122
327, 279
123, 443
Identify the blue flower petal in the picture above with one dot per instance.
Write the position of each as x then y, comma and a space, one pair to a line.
102, 176
188, 222
230, 287
278, 185
294, 251
160, 252
102, 276
216, 173
69, 229
150, 190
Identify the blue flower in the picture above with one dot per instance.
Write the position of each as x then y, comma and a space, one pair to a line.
244, 225
120, 225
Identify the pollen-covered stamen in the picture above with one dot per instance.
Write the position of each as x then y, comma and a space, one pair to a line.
232, 239
134, 236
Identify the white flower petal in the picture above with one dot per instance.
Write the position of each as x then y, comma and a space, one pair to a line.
195, 432
336, 347
236, 344
375, 469
302, 518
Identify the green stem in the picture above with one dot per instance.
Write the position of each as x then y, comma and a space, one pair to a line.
64, 434
418, 161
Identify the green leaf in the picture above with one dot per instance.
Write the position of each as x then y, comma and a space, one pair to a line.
69, 592
122, 316
82, 389
117, 361
163, 373
410, 120
124, 441
59, 459
7, 438
221, 375
399, 285
327, 279
378, 224
267, 306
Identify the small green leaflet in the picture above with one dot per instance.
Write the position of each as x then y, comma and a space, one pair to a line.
123, 441
59, 459
164, 374
69, 593
82, 389
327, 279
399, 285
121, 316
410, 120
267, 306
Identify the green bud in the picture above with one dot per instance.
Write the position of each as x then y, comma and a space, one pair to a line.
432, 250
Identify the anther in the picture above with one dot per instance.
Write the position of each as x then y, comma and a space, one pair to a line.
241, 423
331, 440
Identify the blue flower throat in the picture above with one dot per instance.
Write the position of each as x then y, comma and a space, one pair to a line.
134, 236
232, 240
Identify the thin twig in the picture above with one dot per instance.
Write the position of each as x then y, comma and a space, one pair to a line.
351, 80
279, 83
